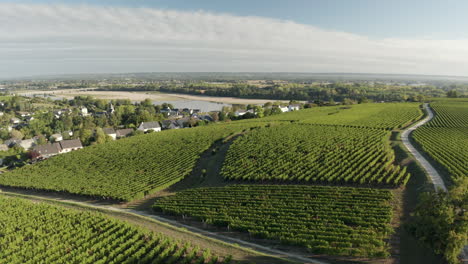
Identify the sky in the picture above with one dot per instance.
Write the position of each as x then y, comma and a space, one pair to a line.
111, 36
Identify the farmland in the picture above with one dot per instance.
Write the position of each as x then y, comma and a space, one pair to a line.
326, 220
311, 153
445, 139
42, 233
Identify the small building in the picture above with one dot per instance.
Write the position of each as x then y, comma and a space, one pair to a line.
170, 124
27, 143
284, 109
48, 150
240, 113
124, 132
70, 145
24, 114
294, 107
110, 132
84, 111
4, 147
56, 137
147, 126
12, 142
182, 122
15, 120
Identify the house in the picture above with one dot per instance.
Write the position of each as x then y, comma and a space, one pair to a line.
110, 132
182, 122
208, 117
48, 150
99, 114
187, 111
56, 137
15, 120
12, 142
294, 107
284, 109
70, 145
1, 113
29, 118
240, 113
147, 126
27, 143
170, 124
24, 114
124, 132
84, 111
4, 147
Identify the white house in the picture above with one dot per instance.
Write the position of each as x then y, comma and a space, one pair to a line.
240, 113
284, 109
84, 111
147, 126
15, 120
110, 132
294, 107
56, 137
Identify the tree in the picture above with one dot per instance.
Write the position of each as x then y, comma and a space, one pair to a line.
85, 136
16, 134
101, 137
441, 220
452, 94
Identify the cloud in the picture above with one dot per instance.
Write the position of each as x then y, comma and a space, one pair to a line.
51, 39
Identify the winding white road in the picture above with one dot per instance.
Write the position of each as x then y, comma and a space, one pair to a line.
430, 170
435, 177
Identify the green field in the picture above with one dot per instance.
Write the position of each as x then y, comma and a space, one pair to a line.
445, 138
326, 220
41, 233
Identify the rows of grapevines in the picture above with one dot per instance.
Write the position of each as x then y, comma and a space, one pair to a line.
450, 114
445, 137
373, 115
124, 169
40, 233
328, 220
311, 153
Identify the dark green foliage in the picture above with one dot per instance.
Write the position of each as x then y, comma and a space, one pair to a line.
41, 233
441, 221
327, 220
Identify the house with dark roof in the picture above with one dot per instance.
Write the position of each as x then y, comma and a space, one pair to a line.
70, 145
110, 132
170, 124
48, 150
147, 126
124, 132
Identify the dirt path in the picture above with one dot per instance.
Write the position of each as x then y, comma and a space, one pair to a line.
430, 170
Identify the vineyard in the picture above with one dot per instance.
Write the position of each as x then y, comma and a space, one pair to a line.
326, 220
124, 169
386, 116
40, 233
312, 153
445, 138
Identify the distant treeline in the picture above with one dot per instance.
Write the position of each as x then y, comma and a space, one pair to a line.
294, 91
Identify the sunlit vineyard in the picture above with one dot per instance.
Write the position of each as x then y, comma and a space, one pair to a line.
384, 115
40, 233
326, 220
445, 138
312, 153
125, 169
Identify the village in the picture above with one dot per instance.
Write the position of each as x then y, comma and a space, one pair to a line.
31, 133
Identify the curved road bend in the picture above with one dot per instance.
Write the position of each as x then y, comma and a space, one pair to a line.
433, 174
